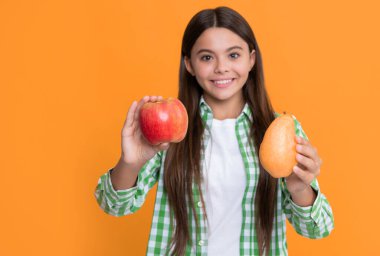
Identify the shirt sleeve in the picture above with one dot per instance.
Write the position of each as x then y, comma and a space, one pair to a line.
123, 202
315, 221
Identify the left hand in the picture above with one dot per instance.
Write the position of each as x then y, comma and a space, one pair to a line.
307, 167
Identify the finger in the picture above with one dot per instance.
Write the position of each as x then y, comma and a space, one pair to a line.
130, 116
301, 140
317, 158
307, 150
306, 161
156, 98
305, 176
302, 166
137, 111
315, 171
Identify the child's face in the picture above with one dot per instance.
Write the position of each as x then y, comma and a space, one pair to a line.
221, 61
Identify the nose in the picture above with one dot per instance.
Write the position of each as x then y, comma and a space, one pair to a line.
221, 67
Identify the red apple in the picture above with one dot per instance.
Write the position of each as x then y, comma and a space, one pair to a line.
163, 121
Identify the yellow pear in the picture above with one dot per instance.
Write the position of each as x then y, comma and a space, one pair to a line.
278, 149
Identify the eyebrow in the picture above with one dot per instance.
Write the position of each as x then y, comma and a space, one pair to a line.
228, 49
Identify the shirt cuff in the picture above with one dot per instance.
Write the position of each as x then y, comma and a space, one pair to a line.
117, 196
309, 213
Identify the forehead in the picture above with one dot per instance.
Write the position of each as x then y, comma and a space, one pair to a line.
218, 40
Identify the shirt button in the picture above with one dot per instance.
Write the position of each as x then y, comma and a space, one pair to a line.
201, 243
199, 204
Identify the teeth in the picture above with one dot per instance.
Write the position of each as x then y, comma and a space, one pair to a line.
223, 81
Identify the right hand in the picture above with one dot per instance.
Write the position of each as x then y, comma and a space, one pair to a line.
136, 150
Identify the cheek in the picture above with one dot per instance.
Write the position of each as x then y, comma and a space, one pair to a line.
243, 68
200, 81
203, 71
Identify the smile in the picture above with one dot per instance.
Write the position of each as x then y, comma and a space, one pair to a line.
223, 83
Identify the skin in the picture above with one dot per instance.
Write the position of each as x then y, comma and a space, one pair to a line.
308, 167
135, 150
221, 61
214, 58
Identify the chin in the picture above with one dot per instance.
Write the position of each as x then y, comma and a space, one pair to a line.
221, 97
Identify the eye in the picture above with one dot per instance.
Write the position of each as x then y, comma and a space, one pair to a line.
235, 55
206, 57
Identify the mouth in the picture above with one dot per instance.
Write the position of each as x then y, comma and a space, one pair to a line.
223, 83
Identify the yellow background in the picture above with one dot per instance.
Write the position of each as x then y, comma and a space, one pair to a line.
69, 71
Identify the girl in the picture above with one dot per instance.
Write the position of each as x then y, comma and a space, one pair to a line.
213, 196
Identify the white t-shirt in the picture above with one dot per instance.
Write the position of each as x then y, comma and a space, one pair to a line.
225, 181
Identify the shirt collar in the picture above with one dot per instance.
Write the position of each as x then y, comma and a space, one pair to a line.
207, 115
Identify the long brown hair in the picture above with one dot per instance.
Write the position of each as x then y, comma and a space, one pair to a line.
183, 160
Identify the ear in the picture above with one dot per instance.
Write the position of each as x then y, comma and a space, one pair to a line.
188, 65
252, 58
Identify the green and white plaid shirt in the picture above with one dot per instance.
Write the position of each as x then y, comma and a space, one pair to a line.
314, 221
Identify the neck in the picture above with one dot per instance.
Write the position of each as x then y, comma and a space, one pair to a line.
225, 109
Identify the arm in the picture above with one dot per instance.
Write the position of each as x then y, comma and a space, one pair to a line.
305, 207
124, 175
123, 189
314, 221
120, 202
